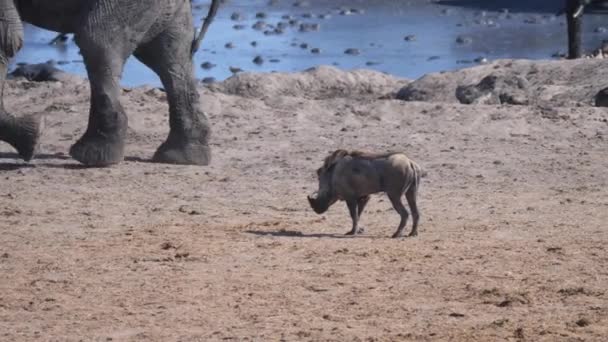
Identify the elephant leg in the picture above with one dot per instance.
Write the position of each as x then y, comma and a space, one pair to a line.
168, 55
104, 140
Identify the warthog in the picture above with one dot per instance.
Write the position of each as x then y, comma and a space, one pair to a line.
353, 176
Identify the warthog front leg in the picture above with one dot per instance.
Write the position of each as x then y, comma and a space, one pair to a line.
354, 214
361, 202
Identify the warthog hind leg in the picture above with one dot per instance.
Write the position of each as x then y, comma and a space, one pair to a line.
410, 195
400, 208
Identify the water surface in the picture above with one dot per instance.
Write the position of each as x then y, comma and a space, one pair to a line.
496, 29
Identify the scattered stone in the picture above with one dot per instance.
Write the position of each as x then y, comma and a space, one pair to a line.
410, 38
352, 51
207, 65
464, 40
481, 60
235, 70
238, 27
42, 72
236, 16
260, 15
274, 60
432, 58
315, 50
494, 89
307, 15
229, 45
301, 4
583, 322
258, 60
309, 27
259, 25
304, 46
254, 43
208, 80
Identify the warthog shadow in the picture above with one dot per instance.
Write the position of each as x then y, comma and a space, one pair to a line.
299, 234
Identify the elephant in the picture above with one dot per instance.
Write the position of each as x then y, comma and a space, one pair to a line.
159, 33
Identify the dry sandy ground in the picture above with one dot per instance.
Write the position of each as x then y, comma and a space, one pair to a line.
513, 243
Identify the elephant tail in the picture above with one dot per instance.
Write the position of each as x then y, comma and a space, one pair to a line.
215, 4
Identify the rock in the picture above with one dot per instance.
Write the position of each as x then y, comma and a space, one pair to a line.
229, 45
410, 38
301, 4
235, 70
236, 16
315, 50
260, 15
208, 80
42, 72
352, 51
494, 89
259, 25
601, 98
207, 65
309, 27
254, 43
238, 27
464, 40
258, 60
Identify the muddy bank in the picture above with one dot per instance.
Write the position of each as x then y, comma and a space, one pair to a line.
511, 246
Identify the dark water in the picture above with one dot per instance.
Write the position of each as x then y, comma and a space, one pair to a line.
526, 29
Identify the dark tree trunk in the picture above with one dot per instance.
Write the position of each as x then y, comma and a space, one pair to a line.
574, 28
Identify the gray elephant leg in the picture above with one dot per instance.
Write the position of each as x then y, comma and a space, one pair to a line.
107, 36
21, 132
168, 55
103, 142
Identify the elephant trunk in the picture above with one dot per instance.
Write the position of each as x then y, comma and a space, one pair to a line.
20, 132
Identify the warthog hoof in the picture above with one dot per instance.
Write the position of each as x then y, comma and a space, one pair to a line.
359, 230
98, 150
397, 235
188, 154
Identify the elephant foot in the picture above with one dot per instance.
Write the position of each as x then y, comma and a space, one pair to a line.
184, 154
98, 150
413, 233
25, 134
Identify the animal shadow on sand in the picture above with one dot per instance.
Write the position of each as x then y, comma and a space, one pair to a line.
299, 234
46, 158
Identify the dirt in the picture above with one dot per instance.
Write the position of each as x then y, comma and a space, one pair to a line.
512, 242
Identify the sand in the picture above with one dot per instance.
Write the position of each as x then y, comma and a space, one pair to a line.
512, 243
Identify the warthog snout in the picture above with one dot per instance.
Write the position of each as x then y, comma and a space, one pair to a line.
318, 204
